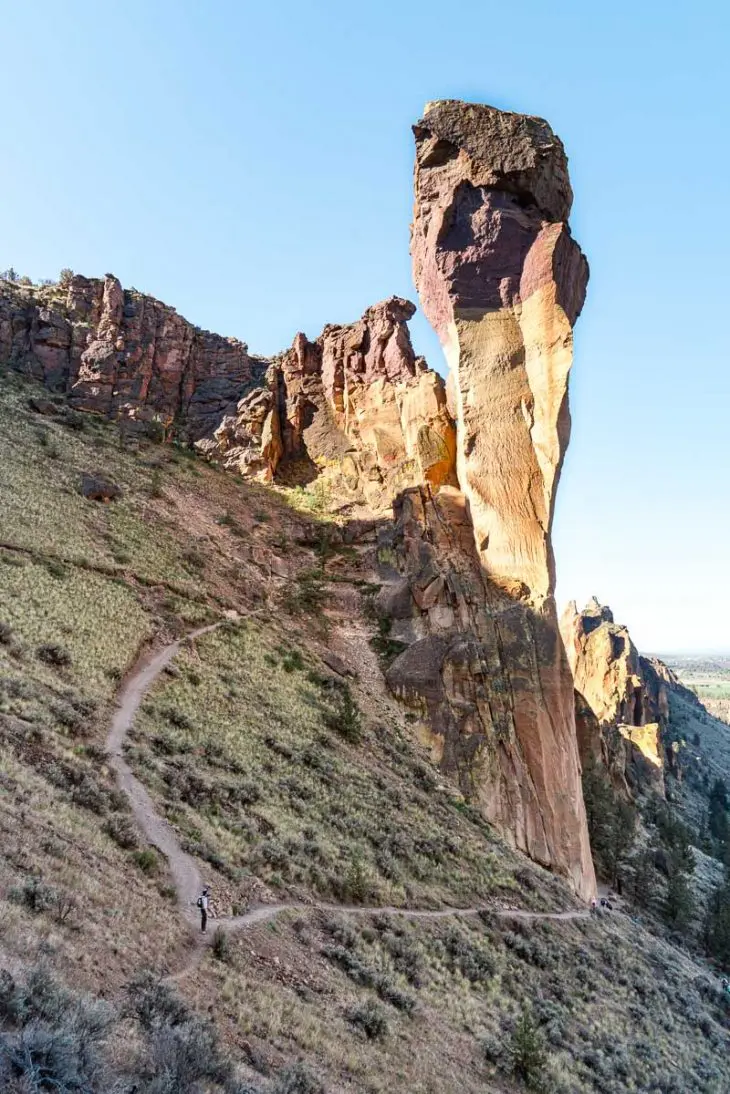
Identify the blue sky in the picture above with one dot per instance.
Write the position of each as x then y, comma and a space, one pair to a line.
251, 165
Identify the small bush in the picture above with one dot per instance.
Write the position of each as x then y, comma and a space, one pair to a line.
123, 831
308, 595
370, 1018
298, 1079
89, 795
6, 634
56, 569
389, 993
222, 950
156, 490
52, 654
147, 860
34, 895
292, 660
346, 718
153, 1003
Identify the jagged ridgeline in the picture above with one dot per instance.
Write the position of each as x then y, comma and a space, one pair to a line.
378, 748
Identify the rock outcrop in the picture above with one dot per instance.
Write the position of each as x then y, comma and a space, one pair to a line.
357, 406
122, 354
502, 282
622, 699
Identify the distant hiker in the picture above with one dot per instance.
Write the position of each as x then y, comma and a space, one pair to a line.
204, 904
594, 905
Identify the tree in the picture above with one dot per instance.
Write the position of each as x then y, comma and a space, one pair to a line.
528, 1055
717, 924
679, 904
717, 816
611, 823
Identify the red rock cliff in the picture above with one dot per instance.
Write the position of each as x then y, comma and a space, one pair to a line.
120, 353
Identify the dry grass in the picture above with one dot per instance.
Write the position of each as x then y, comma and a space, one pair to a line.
240, 746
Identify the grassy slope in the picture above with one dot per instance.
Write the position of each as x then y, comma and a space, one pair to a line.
240, 747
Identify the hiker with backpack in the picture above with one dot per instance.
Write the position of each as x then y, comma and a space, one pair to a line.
204, 904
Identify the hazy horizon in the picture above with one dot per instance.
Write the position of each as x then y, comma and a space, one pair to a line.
253, 169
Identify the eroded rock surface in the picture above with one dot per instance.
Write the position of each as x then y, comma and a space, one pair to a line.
622, 698
122, 354
502, 282
357, 407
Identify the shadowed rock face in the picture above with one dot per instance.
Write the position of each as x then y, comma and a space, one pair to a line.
502, 282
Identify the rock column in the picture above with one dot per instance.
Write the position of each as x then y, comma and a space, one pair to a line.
502, 282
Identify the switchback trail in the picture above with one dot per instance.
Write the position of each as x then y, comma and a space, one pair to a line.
185, 872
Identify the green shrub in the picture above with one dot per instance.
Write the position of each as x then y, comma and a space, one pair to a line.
298, 1079
56, 569
123, 831
147, 860
370, 1018
155, 490
222, 950
307, 594
346, 717
528, 1058
153, 1003
53, 654
34, 895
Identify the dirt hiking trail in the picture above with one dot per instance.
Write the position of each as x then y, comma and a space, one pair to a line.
185, 872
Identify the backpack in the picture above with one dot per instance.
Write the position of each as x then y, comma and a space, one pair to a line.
200, 902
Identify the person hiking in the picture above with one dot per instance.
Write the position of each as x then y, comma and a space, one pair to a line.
204, 904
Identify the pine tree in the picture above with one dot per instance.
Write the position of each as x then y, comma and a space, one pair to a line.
528, 1053
679, 903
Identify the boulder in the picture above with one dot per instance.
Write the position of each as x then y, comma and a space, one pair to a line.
98, 488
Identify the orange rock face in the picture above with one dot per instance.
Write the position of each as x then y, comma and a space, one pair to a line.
502, 282
622, 701
356, 406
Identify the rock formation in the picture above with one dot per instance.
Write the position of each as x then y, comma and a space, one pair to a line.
502, 282
123, 354
471, 467
622, 699
356, 406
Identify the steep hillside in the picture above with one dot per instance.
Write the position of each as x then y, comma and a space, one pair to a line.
280, 795
286, 629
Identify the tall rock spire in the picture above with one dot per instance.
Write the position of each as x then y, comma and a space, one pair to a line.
502, 282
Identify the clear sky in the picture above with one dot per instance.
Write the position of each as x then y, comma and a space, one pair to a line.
250, 163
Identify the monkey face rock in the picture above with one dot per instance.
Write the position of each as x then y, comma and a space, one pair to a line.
502, 282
